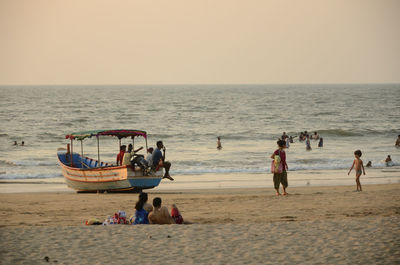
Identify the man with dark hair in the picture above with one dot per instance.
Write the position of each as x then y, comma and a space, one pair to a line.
159, 160
160, 214
121, 154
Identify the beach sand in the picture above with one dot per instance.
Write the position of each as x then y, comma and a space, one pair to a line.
313, 225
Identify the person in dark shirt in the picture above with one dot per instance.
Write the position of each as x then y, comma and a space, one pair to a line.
159, 159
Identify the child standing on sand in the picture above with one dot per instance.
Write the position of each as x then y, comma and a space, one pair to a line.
359, 168
279, 167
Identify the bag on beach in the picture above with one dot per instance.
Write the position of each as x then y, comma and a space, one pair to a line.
276, 165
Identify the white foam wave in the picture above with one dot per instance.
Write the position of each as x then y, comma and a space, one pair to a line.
30, 176
32, 163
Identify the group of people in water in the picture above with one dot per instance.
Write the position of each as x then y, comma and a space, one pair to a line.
146, 213
154, 160
303, 136
22, 143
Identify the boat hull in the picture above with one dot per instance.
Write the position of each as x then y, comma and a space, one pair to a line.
107, 178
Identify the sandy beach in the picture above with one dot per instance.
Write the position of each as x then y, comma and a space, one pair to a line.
313, 225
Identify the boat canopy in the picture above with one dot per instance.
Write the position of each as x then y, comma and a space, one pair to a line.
117, 133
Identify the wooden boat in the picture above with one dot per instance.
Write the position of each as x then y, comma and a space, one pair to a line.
86, 174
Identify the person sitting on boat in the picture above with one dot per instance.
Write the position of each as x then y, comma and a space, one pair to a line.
129, 154
149, 157
120, 155
159, 160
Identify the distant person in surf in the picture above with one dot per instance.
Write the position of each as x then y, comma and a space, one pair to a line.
308, 144
321, 142
284, 136
388, 161
301, 137
359, 168
369, 164
159, 159
219, 146
22, 143
15, 143
315, 136
279, 168
397, 141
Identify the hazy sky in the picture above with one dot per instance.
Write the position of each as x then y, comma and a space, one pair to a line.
199, 41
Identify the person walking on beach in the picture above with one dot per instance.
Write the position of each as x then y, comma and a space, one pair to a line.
397, 144
359, 168
279, 167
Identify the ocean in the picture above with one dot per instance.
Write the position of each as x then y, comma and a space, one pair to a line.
189, 118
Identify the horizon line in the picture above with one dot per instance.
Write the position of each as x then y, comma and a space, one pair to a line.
193, 84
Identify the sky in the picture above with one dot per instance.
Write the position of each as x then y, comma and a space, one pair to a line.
102, 42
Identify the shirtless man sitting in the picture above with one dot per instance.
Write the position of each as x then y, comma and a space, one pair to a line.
160, 214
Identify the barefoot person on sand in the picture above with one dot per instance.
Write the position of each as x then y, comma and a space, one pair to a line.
159, 159
359, 168
279, 167
160, 214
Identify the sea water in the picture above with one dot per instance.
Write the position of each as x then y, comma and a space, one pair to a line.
189, 118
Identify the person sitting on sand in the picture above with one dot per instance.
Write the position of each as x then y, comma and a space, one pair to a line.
159, 160
369, 164
142, 210
280, 169
397, 141
160, 214
359, 168
120, 155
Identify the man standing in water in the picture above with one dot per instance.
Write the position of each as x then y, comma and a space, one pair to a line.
219, 146
159, 159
